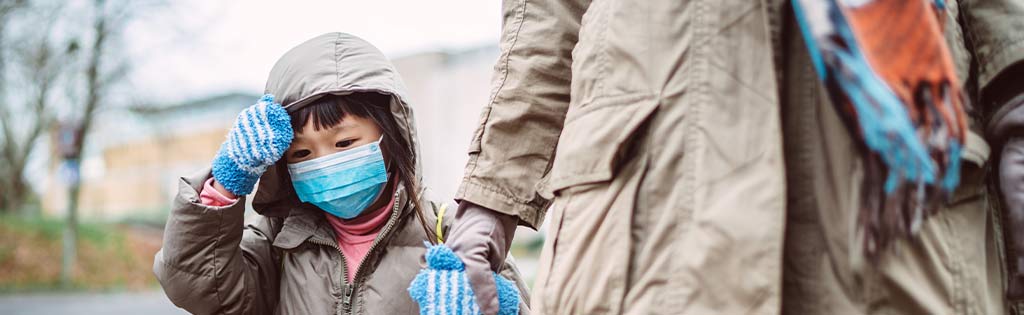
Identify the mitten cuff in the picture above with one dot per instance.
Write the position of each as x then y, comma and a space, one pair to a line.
231, 176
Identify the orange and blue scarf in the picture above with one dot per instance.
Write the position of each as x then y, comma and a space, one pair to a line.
890, 75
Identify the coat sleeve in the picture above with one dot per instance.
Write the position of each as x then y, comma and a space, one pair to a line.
994, 33
994, 30
210, 263
513, 146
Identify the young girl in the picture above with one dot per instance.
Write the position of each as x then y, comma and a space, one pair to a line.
343, 223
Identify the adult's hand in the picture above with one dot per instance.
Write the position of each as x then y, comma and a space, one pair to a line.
481, 237
1011, 184
1008, 129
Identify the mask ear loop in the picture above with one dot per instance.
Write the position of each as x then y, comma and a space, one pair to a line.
387, 165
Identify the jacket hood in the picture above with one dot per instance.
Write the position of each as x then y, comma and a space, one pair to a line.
329, 64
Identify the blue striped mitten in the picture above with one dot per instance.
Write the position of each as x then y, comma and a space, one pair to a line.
443, 287
261, 134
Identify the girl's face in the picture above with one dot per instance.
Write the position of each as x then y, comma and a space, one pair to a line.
351, 132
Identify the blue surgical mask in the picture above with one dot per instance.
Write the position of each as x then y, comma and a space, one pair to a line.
343, 184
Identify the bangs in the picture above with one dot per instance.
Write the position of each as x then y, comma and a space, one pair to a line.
330, 110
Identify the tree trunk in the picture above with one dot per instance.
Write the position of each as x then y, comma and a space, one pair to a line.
70, 237
94, 87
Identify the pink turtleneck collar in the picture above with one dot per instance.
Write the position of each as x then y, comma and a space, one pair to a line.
355, 236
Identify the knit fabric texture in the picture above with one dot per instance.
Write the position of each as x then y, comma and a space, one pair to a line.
260, 136
443, 287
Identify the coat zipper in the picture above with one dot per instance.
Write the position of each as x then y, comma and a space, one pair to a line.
344, 272
349, 288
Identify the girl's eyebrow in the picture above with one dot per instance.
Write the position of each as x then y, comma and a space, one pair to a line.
341, 125
299, 137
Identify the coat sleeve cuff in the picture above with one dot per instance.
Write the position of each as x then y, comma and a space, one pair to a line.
1007, 121
190, 216
530, 213
1003, 57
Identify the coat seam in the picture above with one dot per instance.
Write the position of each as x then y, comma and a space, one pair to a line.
551, 304
959, 298
472, 164
521, 20
602, 49
179, 269
337, 60
508, 55
691, 140
216, 251
511, 197
605, 102
527, 212
774, 292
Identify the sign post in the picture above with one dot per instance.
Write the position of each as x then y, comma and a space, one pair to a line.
68, 146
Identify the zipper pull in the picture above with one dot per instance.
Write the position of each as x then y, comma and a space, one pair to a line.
347, 299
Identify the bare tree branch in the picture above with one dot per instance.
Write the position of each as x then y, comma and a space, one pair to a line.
38, 63
39, 72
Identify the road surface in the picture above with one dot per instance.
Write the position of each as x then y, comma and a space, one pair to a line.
149, 303
128, 303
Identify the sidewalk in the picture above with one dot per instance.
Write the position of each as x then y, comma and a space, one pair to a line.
123, 303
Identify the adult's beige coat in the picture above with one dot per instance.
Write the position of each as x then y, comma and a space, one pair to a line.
693, 165
287, 261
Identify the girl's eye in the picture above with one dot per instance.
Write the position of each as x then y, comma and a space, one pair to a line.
343, 143
300, 154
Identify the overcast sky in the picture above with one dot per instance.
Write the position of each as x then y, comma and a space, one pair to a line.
195, 48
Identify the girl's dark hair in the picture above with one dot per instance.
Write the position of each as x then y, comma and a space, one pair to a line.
331, 109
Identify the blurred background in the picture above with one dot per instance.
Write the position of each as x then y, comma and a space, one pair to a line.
104, 103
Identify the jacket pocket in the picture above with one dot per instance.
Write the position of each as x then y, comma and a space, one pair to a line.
593, 139
972, 170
